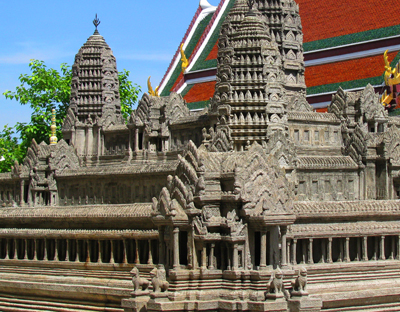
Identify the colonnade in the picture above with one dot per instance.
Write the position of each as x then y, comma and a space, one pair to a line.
343, 249
80, 250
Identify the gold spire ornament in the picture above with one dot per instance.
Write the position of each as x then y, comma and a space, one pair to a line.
150, 89
185, 62
392, 78
53, 127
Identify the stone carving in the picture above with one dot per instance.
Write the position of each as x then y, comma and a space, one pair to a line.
139, 283
158, 280
300, 283
275, 285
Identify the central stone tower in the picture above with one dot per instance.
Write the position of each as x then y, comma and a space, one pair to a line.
260, 70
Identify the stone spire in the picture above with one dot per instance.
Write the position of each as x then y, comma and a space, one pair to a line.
249, 77
95, 101
95, 85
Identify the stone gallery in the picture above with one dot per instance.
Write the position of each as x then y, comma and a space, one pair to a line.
254, 203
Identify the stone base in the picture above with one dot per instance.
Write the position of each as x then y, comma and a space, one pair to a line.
304, 304
138, 304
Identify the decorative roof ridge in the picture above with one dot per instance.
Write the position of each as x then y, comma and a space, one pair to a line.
177, 53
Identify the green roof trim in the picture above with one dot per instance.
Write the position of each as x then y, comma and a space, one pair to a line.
352, 38
188, 51
187, 89
198, 105
202, 63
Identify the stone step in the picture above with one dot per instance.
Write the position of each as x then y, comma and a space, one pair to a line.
388, 307
24, 305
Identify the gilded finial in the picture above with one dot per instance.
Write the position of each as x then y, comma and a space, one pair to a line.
53, 127
96, 22
150, 89
185, 62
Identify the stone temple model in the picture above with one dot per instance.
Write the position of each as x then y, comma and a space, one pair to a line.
256, 203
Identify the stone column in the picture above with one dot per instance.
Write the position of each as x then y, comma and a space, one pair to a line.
98, 251
323, 250
393, 246
161, 245
56, 250
288, 254
124, 256
329, 260
398, 248
150, 261
34, 249
67, 249
137, 259
310, 251
347, 250
376, 245
365, 248
112, 260
136, 139
382, 253
45, 250
87, 251
8, 248
176, 247
263, 255
204, 257
235, 257
211, 260
359, 251
283, 245
341, 250
21, 202
294, 246
25, 249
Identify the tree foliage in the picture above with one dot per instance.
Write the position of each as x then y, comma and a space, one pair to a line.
43, 90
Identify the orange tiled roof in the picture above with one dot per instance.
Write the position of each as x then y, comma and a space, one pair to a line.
332, 18
200, 92
366, 67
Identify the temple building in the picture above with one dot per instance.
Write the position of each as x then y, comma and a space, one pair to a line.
255, 202
343, 46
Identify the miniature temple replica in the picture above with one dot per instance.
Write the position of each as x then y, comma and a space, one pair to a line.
255, 203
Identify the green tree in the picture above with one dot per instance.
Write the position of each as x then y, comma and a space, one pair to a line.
10, 149
46, 89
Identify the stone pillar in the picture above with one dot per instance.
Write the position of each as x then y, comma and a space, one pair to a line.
112, 260
341, 250
283, 245
382, 253
375, 256
136, 139
124, 248
67, 249
323, 250
398, 248
7, 248
365, 248
347, 250
87, 251
235, 257
26, 249
176, 247
204, 257
263, 254
137, 257
150, 261
359, 251
98, 251
56, 250
329, 259
211, 260
310, 251
161, 245
294, 256
45, 257
21, 201
288, 254
393, 248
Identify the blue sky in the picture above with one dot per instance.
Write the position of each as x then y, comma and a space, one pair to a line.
143, 35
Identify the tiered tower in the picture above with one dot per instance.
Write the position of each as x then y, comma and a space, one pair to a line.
95, 101
250, 95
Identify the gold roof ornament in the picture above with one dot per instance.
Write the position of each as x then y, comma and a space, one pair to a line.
150, 89
185, 62
53, 127
392, 76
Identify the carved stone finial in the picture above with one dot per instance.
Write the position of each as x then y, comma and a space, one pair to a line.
53, 127
96, 22
250, 3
